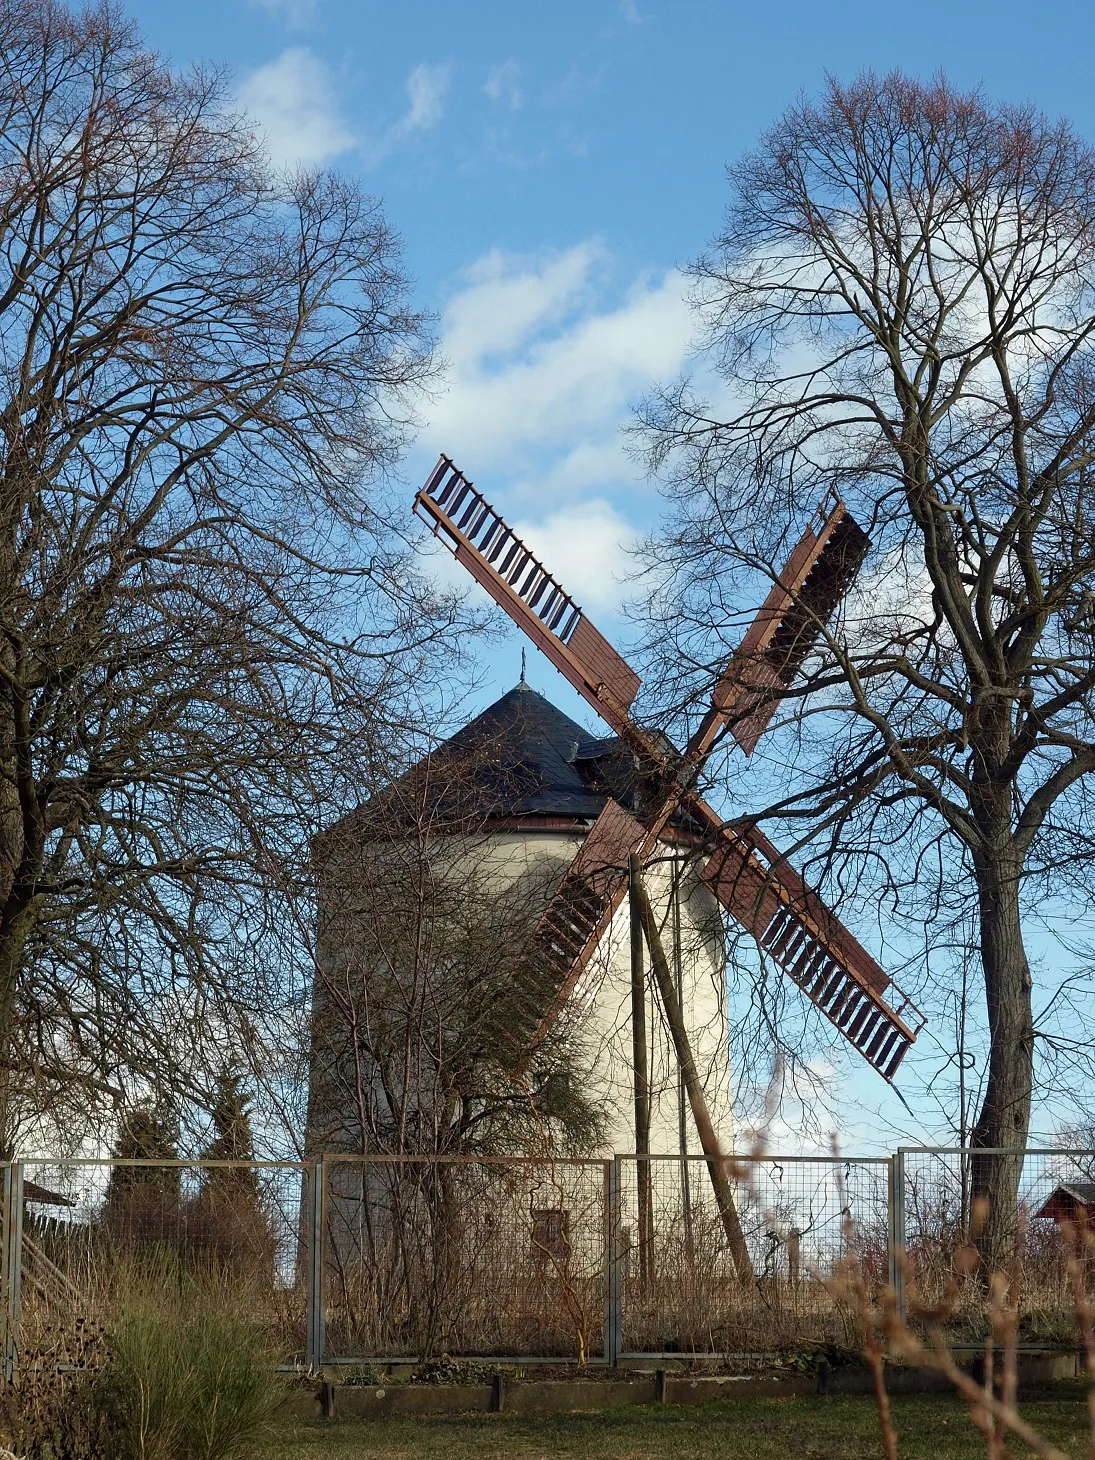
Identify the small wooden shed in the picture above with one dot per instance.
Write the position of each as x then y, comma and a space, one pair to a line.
1072, 1201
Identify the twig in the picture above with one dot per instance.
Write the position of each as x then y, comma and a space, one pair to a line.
939, 1357
871, 1351
1082, 1238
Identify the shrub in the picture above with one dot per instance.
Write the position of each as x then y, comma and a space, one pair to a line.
54, 1413
228, 1229
52, 1416
190, 1378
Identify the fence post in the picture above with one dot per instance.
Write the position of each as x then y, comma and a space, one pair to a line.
317, 1223
897, 1231
613, 1316
11, 1264
618, 1268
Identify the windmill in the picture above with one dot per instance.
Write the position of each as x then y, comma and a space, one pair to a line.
749, 876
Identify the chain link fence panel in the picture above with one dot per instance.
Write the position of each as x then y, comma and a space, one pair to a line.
96, 1234
939, 1216
801, 1218
465, 1257
358, 1260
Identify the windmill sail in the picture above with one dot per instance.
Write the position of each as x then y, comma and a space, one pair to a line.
518, 582
585, 902
800, 602
816, 951
749, 876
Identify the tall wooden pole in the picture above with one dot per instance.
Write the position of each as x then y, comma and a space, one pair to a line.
682, 1094
724, 1195
641, 1074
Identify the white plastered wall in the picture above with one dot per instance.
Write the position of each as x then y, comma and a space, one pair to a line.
599, 1010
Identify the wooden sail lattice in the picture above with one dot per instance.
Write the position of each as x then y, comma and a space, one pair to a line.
831, 967
786, 628
518, 582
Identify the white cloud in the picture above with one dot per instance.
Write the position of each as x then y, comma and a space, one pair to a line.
427, 91
504, 304
891, 599
427, 87
586, 546
290, 100
543, 373
504, 85
544, 369
293, 14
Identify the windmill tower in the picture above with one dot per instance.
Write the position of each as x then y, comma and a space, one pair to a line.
617, 857
510, 801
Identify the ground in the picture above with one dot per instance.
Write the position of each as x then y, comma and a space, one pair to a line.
763, 1429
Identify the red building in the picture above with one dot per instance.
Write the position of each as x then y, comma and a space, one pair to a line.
1072, 1201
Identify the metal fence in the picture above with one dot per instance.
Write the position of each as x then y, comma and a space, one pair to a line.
465, 1257
801, 1217
936, 1215
368, 1260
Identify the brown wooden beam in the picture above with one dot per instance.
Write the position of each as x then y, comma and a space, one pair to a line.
716, 1161
641, 1074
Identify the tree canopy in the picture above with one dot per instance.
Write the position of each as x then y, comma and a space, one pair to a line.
901, 308
207, 625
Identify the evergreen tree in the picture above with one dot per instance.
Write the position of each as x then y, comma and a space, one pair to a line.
232, 1138
228, 1219
142, 1202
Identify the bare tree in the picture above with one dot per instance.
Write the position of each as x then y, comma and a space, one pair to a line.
901, 308
431, 1033
206, 625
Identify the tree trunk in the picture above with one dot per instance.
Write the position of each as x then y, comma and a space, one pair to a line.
13, 942
1005, 1115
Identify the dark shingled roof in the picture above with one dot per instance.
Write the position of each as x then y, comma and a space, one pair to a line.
529, 759
520, 759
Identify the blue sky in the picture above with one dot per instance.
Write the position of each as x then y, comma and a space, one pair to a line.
549, 169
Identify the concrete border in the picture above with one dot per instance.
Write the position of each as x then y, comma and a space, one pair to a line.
560, 1396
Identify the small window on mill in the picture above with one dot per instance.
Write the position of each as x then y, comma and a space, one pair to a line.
550, 1232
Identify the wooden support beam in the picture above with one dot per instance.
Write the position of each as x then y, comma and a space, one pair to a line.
641, 1074
724, 1194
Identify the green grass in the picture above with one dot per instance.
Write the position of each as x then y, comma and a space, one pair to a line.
763, 1429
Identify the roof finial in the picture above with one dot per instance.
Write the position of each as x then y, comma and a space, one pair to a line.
522, 666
